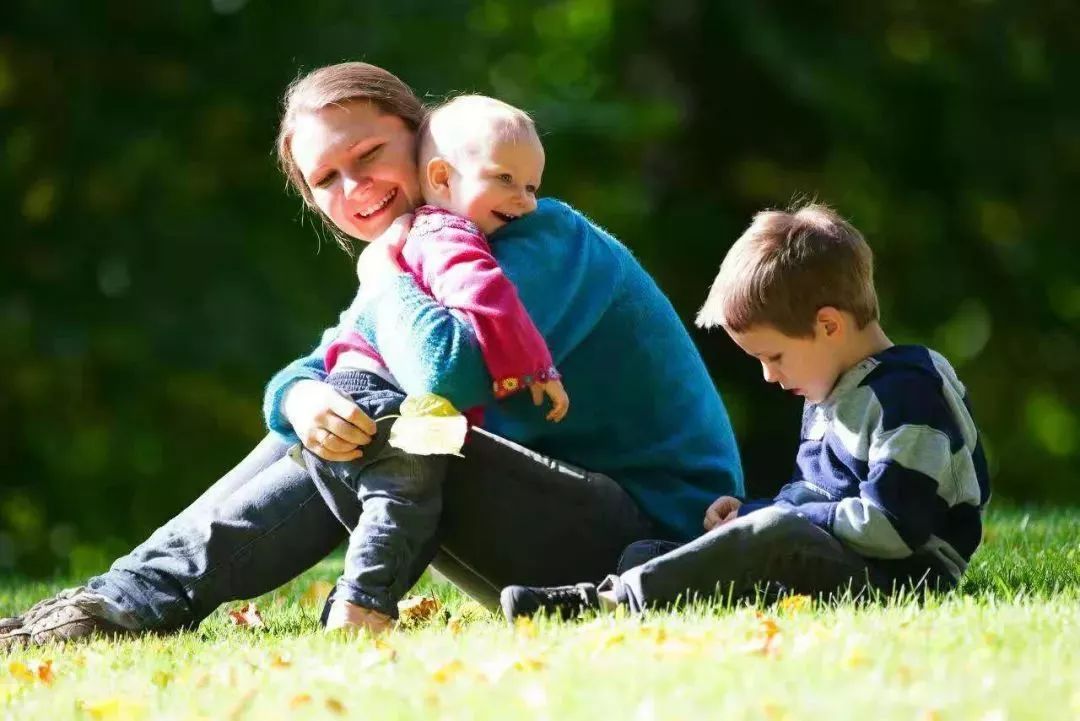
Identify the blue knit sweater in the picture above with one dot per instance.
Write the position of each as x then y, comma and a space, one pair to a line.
643, 408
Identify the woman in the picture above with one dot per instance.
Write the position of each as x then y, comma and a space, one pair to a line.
647, 422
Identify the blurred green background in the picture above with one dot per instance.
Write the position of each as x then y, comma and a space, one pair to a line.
155, 272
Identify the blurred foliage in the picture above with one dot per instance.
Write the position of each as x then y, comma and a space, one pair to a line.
155, 273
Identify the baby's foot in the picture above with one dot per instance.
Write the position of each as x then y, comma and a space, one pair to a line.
349, 617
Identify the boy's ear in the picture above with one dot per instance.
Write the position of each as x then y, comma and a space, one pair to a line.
830, 320
438, 176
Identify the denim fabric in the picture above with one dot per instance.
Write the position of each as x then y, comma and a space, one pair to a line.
770, 551
396, 499
510, 516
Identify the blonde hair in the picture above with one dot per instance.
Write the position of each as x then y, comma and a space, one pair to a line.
333, 85
464, 118
786, 266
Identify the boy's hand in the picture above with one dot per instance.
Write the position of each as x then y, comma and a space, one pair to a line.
720, 511
560, 402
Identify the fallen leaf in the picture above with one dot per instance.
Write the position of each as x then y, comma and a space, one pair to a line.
247, 616
417, 609
114, 708
524, 627
335, 706
794, 604
299, 700
316, 594
21, 671
447, 671
161, 679
44, 671
280, 660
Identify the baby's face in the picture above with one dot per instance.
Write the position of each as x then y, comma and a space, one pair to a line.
497, 182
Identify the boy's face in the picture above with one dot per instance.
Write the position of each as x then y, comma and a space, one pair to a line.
497, 183
807, 367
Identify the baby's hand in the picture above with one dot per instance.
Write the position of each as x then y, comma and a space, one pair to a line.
720, 511
560, 402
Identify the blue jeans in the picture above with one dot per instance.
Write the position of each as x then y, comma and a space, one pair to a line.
399, 497
510, 516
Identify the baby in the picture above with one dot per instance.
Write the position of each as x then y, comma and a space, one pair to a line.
480, 165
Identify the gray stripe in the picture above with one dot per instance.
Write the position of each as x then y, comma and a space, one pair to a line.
864, 528
918, 448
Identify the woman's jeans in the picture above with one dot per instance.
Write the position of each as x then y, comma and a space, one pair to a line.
510, 516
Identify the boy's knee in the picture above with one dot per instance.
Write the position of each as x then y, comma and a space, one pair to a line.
640, 552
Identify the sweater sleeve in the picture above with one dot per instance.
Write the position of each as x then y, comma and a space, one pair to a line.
463, 276
311, 366
901, 500
429, 348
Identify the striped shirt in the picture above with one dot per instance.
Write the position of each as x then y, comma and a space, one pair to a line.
891, 465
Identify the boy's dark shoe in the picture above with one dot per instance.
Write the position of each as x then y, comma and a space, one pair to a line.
68, 616
565, 602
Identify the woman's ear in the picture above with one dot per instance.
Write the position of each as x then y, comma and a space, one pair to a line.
437, 174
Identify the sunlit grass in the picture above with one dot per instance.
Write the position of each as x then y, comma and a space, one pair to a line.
1004, 647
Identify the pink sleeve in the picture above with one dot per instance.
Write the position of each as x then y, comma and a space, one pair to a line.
457, 266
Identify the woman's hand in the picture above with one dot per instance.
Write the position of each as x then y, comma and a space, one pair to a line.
329, 425
378, 262
720, 511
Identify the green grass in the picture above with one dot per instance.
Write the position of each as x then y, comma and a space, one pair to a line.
1007, 646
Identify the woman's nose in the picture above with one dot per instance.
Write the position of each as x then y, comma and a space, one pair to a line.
354, 183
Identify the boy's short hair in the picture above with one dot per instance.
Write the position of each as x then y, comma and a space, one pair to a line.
463, 117
786, 266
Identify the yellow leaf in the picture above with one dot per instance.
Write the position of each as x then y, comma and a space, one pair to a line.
280, 660
427, 404
161, 679
795, 604
525, 627
429, 425
43, 670
335, 706
299, 700
114, 708
20, 671
447, 671
316, 594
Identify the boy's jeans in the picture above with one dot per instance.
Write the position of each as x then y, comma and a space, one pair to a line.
399, 499
771, 550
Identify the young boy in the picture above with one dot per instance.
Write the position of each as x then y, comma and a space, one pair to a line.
890, 478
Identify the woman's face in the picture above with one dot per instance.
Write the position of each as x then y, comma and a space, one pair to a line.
359, 164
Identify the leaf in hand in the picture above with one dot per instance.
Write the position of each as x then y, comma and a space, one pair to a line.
429, 425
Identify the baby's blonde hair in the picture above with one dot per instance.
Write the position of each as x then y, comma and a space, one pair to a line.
786, 266
458, 124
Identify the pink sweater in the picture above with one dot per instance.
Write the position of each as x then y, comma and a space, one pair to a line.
452, 262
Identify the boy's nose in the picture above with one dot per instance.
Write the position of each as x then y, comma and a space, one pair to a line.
771, 376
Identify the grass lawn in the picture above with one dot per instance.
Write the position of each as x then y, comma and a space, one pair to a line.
1007, 646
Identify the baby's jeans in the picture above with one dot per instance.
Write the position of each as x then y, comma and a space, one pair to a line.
400, 499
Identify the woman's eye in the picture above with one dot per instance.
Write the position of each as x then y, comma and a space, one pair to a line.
325, 180
368, 155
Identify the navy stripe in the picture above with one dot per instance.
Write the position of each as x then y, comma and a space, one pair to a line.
909, 500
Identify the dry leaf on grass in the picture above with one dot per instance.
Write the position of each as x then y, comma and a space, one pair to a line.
247, 616
418, 609
316, 594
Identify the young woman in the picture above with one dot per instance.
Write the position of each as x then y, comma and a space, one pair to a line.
647, 424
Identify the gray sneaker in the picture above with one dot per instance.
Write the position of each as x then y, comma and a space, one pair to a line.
71, 615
